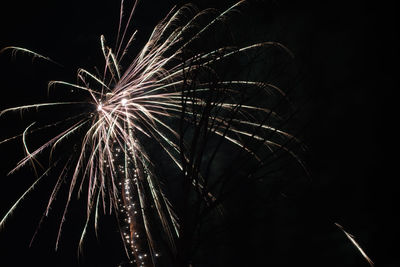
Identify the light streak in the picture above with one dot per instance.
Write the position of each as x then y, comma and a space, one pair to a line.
355, 243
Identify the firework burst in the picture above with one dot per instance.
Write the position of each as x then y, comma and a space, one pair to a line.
169, 99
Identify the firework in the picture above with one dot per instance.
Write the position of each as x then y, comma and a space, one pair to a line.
170, 99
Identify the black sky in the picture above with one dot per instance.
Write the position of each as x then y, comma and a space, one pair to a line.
347, 56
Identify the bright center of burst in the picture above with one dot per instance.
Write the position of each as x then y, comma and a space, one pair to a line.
124, 101
99, 107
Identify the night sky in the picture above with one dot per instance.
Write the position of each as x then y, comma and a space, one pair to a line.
344, 91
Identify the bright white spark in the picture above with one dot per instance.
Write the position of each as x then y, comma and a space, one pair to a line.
352, 239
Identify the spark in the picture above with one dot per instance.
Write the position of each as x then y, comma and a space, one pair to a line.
352, 239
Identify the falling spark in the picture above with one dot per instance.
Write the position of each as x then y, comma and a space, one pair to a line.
352, 239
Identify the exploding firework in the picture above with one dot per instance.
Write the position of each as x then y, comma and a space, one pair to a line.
171, 99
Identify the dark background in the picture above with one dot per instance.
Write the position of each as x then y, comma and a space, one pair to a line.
347, 54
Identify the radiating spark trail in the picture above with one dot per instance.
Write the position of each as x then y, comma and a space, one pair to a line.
162, 87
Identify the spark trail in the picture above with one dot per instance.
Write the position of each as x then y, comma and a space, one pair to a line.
166, 84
